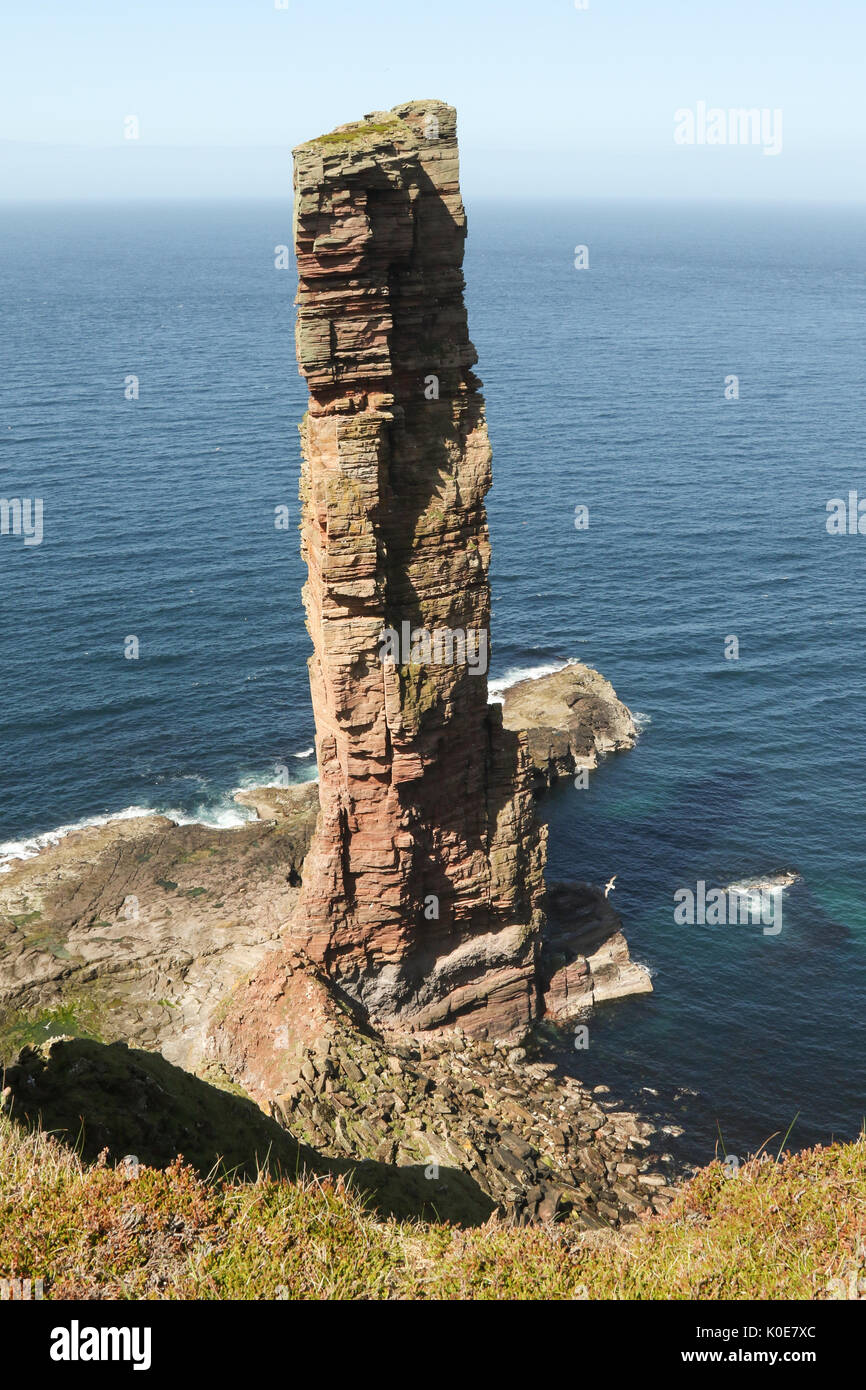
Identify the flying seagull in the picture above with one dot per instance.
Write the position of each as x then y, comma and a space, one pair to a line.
608, 887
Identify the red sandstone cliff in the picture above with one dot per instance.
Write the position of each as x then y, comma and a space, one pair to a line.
422, 889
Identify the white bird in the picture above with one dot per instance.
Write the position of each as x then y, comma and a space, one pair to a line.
608, 887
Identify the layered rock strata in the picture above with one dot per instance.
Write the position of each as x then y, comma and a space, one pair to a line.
422, 889
585, 957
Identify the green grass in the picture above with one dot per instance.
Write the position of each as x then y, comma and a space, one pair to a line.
776, 1231
357, 132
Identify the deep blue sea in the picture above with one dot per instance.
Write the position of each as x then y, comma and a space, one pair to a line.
605, 387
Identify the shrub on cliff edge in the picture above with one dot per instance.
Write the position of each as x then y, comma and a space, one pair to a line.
793, 1229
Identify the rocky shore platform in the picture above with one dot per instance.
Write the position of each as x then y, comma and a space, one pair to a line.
175, 939
137, 929
571, 719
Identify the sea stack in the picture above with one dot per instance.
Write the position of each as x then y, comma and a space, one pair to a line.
422, 890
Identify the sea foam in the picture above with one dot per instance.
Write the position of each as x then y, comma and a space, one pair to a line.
30, 846
223, 816
497, 688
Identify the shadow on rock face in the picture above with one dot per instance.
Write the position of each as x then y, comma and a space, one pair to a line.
95, 1096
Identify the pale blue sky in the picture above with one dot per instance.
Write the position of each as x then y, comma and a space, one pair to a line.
552, 100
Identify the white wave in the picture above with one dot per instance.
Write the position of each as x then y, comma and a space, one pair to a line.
305, 753
251, 780
497, 688
642, 721
753, 888
223, 816
12, 850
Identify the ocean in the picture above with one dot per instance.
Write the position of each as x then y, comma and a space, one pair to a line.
151, 400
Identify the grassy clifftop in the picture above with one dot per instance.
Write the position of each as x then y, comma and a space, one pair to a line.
794, 1229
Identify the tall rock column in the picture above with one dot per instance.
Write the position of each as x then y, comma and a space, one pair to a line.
422, 889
